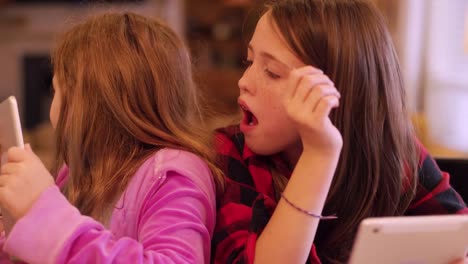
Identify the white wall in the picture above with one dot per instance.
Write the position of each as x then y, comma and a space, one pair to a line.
410, 44
446, 75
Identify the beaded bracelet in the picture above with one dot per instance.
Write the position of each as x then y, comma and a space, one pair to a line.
307, 212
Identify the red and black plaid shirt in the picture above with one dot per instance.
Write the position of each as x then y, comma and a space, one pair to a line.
248, 202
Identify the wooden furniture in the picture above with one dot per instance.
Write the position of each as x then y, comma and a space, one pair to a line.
452, 161
435, 149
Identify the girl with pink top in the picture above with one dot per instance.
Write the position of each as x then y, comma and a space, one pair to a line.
139, 182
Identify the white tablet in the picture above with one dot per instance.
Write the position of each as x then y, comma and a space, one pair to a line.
10, 126
411, 240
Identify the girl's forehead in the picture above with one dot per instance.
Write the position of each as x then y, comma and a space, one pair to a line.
268, 39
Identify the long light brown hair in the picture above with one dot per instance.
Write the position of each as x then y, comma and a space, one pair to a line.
376, 174
127, 91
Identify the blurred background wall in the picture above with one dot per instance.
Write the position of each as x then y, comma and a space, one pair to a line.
28, 29
429, 36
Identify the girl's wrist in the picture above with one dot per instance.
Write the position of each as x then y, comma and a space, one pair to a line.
314, 163
311, 153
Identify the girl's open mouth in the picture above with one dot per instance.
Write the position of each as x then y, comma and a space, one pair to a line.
249, 118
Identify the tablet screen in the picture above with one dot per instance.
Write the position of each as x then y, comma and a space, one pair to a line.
411, 239
10, 126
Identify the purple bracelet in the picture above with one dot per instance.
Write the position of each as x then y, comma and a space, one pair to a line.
308, 212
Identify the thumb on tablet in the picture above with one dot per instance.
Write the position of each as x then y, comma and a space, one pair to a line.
28, 148
2, 156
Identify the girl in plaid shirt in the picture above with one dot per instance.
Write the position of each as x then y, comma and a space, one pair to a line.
325, 132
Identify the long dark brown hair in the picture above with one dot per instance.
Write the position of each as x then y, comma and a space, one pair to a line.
126, 91
349, 41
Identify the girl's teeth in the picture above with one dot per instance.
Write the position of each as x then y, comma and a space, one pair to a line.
251, 124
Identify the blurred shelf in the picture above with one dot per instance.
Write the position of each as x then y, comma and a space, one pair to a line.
215, 36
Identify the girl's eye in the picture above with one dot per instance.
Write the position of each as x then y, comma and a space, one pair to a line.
271, 74
247, 63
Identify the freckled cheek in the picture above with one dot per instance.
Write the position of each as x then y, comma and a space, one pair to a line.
277, 115
272, 104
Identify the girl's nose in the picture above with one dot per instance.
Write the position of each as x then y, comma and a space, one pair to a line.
245, 84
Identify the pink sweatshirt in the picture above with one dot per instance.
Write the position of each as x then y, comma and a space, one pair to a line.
166, 215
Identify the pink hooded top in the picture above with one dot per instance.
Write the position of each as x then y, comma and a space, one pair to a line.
165, 215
